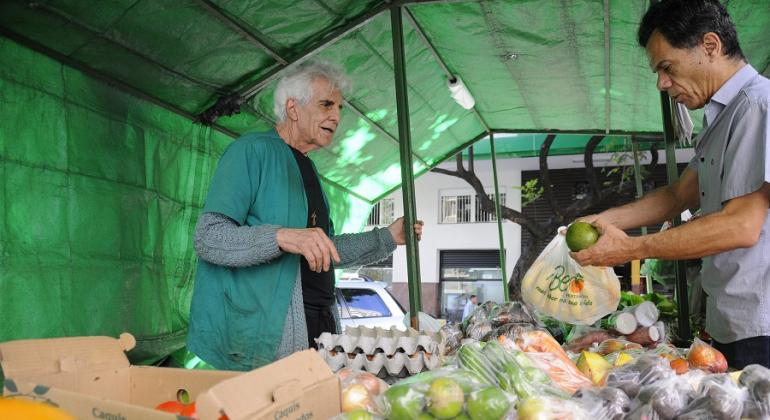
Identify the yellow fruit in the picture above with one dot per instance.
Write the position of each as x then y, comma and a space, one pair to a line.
355, 397
594, 366
446, 398
534, 408
623, 358
20, 409
581, 235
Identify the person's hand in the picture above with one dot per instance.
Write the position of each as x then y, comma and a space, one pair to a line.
614, 247
399, 235
591, 218
312, 243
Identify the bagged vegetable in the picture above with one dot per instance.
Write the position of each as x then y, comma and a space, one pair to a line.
510, 312
447, 393
756, 378
646, 369
703, 356
668, 397
559, 287
545, 353
451, 337
510, 370
604, 403
615, 345
583, 337
360, 391
549, 408
563, 373
719, 398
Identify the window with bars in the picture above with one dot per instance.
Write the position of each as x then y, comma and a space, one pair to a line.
455, 209
382, 213
485, 216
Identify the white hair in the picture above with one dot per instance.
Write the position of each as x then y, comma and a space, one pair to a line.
296, 83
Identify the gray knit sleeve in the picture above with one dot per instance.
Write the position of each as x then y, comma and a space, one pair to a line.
364, 248
221, 241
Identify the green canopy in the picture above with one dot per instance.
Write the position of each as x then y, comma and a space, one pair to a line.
104, 173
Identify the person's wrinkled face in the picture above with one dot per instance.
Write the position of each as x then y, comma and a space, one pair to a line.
318, 119
681, 72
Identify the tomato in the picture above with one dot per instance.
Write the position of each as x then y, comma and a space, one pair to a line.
175, 407
189, 411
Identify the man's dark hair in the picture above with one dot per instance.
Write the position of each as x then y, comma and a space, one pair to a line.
684, 22
472, 296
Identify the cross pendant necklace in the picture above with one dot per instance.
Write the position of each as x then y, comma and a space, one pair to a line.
312, 218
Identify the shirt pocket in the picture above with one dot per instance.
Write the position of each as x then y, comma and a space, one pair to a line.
240, 332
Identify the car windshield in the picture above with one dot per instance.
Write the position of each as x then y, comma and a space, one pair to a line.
364, 303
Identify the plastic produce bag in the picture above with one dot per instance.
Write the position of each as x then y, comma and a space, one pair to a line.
645, 370
604, 403
510, 370
360, 391
510, 312
703, 356
560, 287
583, 337
451, 337
756, 378
541, 407
447, 393
668, 397
719, 398
545, 353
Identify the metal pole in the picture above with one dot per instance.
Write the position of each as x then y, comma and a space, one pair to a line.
407, 176
639, 192
683, 315
498, 214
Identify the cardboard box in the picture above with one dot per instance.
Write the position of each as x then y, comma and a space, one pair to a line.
300, 386
90, 377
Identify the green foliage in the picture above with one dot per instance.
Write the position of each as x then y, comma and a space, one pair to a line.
666, 306
530, 191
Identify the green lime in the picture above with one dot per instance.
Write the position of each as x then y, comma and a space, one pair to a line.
581, 235
360, 415
533, 408
489, 403
405, 403
446, 398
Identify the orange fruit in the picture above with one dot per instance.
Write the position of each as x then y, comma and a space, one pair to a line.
576, 285
680, 366
22, 409
703, 356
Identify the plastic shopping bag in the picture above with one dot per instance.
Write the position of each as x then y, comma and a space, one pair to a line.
558, 286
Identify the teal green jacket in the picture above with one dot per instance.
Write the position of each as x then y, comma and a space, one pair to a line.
237, 315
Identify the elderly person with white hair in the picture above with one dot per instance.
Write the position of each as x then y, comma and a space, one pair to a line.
264, 287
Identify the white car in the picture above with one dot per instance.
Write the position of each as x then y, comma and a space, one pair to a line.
368, 303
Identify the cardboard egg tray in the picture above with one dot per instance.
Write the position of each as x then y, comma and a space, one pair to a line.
383, 352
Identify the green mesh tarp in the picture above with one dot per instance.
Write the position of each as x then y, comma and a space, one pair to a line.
577, 65
99, 195
531, 65
100, 192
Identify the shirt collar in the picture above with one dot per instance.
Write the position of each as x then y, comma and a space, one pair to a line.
733, 85
727, 93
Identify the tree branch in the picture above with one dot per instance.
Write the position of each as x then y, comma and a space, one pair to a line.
545, 177
588, 160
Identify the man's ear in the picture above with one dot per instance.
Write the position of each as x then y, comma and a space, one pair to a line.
712, 45
291, 109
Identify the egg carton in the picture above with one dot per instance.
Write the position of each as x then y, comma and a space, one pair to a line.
383, 352
371, 341
397, 365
